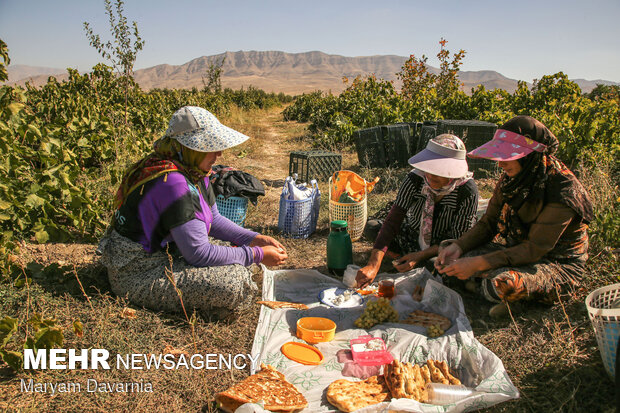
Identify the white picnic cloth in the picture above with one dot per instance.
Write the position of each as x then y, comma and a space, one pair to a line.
475, 365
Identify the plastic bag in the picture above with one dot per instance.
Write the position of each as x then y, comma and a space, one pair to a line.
352, 184
299, 208
297, 192
251, 408
350, 273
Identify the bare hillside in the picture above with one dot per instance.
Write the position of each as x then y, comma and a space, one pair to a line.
276, 71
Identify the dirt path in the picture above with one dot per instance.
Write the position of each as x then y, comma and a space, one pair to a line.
266, 154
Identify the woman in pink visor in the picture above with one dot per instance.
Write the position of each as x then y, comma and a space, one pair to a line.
532, 242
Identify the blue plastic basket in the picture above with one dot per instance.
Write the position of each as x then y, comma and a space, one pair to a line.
234, 208
297, 219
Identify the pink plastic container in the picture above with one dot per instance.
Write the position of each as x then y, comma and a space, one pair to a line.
365, 357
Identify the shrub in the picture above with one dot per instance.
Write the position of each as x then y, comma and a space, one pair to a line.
65, 146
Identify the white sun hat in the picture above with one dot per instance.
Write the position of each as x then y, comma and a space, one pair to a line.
198, 129
444, 156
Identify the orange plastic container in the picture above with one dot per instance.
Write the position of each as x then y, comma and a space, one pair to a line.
316, 329
302, 353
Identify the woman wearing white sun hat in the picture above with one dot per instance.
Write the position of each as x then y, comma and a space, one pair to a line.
436, 201
164, 218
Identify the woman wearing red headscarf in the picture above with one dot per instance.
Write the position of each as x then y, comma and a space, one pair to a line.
532, 242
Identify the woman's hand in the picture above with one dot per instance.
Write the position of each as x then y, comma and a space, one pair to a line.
464, 268
409, 261
366, 275
265, 240
448, 255
273, 256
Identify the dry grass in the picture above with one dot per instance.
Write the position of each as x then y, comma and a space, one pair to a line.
555, 367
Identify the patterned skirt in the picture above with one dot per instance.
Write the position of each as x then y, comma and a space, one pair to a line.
160, 281
541, 281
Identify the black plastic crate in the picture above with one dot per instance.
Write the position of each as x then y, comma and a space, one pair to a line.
418, 137
414, 138
397, 141
473, 133
319, 165
427, 132
387, 145
370, 147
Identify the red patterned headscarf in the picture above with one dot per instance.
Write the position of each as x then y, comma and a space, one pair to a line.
543, 176
168, 156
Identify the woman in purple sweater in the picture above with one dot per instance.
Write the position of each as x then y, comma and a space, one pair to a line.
166, 227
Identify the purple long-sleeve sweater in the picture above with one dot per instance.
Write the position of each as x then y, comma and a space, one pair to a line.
170, 209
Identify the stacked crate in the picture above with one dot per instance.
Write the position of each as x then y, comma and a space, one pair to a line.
369, 146
393, 145
386, 145
400, 142
428, 131
473, 133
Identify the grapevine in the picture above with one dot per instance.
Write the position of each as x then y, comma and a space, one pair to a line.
65, 145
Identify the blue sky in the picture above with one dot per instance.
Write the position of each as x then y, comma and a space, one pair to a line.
522, 40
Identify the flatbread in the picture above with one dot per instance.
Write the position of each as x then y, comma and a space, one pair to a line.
268, 385
283, 304
349, 396
444, 372
426, 319
405, 381
409, 381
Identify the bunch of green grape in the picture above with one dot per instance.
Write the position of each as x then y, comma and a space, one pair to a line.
376, 312
434, 331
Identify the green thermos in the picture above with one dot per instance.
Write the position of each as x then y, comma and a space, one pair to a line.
339, 248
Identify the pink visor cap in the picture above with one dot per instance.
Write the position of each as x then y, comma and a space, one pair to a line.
507, 146
441, 161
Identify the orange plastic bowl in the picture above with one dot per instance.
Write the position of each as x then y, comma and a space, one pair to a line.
316, 329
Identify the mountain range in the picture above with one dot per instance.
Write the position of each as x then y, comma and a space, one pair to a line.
275, 71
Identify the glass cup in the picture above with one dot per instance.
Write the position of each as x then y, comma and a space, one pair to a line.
386, 288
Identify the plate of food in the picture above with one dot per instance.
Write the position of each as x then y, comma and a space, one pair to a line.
341, 297
369, 289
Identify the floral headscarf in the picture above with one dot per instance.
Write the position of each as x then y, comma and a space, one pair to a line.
168, 156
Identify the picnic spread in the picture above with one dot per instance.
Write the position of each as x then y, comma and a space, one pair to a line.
369, 343
338, 379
